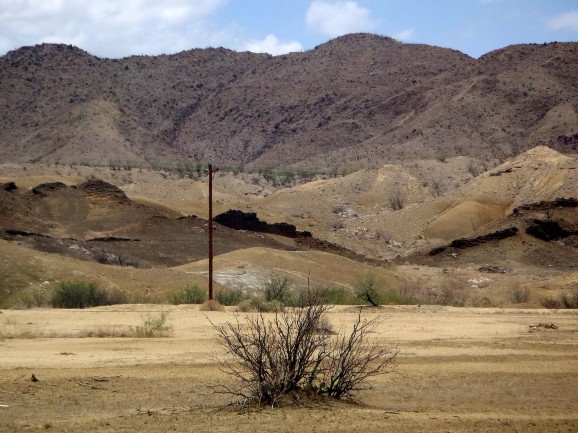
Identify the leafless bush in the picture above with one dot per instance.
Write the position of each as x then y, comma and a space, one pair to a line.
450, 292
287, 355
417, 292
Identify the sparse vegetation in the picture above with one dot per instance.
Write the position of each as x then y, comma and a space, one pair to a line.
257, 304
82, 294
564, 301
107, 258
368, 289
212, 305
33, 299
191, 294
519, 295
153, 326
396, 200
287, 356
339, 296
228, 296
278, 289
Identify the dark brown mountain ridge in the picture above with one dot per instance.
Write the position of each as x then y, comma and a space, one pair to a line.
357, 100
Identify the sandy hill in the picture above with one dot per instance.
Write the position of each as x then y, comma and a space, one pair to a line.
95, 220
58, 222
388, 212
359, 100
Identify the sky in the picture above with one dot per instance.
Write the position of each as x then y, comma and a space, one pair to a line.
121, 28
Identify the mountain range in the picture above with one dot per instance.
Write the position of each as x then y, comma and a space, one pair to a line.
357, 101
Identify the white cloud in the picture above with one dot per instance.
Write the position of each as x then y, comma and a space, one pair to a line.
272, 45
111, 28
567, 21
404, 35
338, 18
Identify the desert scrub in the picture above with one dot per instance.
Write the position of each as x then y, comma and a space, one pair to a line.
212, 305
191, 294
257, 304
230, 297
565, 300
368, 289
278, 289
153, 326
294, 353
519, 295
82, 294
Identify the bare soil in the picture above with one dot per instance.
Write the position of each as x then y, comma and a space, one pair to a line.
458, 369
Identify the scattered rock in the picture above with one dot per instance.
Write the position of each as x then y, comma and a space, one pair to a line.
534, 326
8, 186
494, 269
239, 220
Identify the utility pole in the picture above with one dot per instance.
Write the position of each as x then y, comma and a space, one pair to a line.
211, 173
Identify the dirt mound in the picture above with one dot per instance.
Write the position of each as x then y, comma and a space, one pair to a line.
96, 221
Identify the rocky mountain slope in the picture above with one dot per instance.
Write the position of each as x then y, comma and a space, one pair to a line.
359, 100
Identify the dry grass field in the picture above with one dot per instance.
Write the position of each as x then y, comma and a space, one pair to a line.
458, 370
483, 369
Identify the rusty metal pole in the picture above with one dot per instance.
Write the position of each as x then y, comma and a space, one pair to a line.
210, 231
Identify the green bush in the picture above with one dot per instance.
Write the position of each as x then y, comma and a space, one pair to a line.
278, 289
230, 297
338, 296
258, 305
393, 297
191, 294
368, 289
33, 299
153, 326
82, 294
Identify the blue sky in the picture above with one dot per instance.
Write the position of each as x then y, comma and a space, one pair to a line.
119, 28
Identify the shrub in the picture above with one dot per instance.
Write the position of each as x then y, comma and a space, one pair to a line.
396, 200
338, 296
278, 289
368, 289
230, 296
81, 294
413, 292
393, 297
565, 300
569, 300
191, 294
451, 292
288, 355
153, 326
450, 296
551, 303
519, 295
255, 304
34, 299
212, 305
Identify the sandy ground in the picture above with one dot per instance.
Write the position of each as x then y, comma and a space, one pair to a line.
458, 369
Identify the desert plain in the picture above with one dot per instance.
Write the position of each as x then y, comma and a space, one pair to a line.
457, 369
